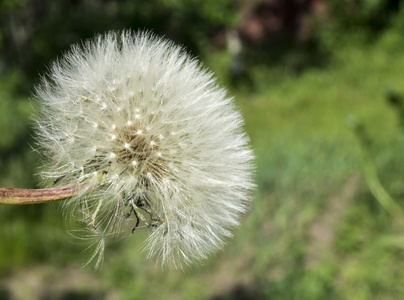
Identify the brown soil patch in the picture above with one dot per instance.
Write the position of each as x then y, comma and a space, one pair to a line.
321, 232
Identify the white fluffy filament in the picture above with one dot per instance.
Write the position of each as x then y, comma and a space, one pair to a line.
158, 143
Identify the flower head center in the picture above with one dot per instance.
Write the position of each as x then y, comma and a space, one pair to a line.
138, 148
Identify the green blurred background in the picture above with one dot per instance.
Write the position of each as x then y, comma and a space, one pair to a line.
321, 86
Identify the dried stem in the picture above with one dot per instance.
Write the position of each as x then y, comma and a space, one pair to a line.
13, 196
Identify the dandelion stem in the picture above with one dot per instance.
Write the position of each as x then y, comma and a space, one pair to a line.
13, 196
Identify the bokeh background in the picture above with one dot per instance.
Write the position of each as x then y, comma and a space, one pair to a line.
321, 86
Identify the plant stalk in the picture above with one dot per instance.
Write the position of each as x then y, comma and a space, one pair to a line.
14, 196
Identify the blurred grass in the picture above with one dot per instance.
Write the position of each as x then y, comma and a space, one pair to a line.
305, 151
314, 230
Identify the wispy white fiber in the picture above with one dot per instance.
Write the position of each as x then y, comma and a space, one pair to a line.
152, 142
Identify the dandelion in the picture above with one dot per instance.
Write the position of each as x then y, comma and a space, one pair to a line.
146, 138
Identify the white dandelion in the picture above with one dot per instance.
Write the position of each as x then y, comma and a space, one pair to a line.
150, 140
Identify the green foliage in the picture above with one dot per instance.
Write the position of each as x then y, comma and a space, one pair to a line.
31, 46
11, 5
16, 136
359, 21
368, 14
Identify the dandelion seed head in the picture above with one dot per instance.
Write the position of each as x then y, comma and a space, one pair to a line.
154, 142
